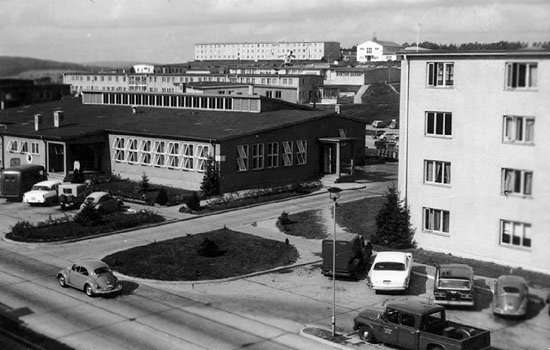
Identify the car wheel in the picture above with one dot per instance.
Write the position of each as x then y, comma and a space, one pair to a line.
365, 333
61, 281
88, 290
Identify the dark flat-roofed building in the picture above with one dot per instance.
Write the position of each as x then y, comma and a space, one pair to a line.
267, 145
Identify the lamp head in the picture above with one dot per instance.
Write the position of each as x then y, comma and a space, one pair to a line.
334, 193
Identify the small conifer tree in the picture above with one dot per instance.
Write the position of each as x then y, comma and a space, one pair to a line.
393, 227
210, 185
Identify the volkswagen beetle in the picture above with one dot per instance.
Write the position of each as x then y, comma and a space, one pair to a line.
94, 277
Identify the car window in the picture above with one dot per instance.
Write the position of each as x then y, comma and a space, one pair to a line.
84, 271
393, 266
101, 270
392, 316
510, 289
74, 267
407, 319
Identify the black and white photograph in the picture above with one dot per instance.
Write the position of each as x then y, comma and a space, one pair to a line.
274, 174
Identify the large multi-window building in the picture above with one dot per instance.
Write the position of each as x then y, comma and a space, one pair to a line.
301, 50
474, 151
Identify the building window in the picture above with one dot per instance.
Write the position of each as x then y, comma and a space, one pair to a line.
437, 172
516, 181
278, 94
515, 233
436, 220
173, 154
34, 148
272, 155
242, 157
301, 152
13, 146
159, 153
24, 147
187, 160
518, 129
145, 152
521, 75
119, 149
202, 157
440, 74
269, 94
439, 123
258, 156
132, 151
287, 153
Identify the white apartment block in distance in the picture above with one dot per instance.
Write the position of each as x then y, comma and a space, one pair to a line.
377, 51
257, 51
474, 163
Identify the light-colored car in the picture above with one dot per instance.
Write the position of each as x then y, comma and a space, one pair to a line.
94, 277
44, 192
103, 202
391, 271
72, 194
511, 296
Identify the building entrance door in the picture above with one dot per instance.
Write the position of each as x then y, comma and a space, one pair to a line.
56, 157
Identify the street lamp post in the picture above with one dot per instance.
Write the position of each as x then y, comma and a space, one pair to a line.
334, 193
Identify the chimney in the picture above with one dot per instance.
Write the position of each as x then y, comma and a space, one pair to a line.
58, 118
37, 122
251, 90
337, 108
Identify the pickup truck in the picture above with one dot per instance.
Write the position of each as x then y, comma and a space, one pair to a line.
418, 326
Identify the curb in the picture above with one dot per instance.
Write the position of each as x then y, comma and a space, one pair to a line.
221, 280
166, 222
324, 341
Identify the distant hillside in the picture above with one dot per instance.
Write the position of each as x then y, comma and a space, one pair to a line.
14, 66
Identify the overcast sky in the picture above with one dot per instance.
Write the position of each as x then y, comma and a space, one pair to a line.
164, 31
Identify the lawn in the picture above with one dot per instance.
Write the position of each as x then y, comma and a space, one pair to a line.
65, 228
307, 224
180, 259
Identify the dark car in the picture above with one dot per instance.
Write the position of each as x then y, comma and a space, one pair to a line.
14, 182
511, 296
454, 285
103, 202
352, 256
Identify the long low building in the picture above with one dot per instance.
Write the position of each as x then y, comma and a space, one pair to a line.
255, 142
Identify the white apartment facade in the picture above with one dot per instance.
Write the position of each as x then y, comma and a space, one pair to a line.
301, 50
474, 154
377, 51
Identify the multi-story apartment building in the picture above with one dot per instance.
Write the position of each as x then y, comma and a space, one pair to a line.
299, 88
474, 153
377, 50
301, 50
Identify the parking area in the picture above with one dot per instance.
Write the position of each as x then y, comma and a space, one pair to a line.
12, 212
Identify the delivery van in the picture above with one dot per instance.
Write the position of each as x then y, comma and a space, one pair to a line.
14, 182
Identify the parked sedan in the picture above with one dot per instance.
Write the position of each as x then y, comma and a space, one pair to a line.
511, 296
44, 192
91, 276
391, 271
103, 202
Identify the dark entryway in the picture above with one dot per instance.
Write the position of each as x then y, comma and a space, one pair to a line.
56, 157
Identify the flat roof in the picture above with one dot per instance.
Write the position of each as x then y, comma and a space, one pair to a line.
87, 120
476, 53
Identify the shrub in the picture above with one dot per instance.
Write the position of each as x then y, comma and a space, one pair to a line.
393, 227
193, 201
210, 185
162, 197
144, 185
88, 215
209, 249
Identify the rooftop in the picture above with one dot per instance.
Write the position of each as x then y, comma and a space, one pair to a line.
476, 53
200, 125
417, 308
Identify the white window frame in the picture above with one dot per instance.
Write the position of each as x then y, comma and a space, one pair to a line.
243, 156
13, 146
145, 152
272, 155
187, 161
528, 81
287, 153
509, 182
119, 149
35, 148
514, 129
433, 220
172, 155
201, 156
159, 156
437, 70
132, 150
301, 152
519, 234
443, 118
430, 173
257, 156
